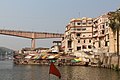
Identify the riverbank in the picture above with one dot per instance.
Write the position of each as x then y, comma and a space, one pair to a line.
47, 62
61, 59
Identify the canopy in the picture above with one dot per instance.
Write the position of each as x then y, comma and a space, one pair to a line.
76, 60
31, 54
36, 57
51, 57
28, 57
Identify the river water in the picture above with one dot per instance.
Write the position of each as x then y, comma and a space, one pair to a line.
8, 71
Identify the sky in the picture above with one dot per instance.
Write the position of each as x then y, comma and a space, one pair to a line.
46, 16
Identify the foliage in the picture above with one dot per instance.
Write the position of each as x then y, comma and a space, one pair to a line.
114, 20
115, 67
114, 23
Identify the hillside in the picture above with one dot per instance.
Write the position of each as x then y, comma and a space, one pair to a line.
3, 50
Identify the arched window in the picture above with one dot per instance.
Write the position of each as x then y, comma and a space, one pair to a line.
84, 41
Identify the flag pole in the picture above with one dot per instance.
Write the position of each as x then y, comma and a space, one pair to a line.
49, 77
49, 74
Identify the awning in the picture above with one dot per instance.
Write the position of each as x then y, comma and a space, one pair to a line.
36, 57
51, 57
28, 57
43, 57
31, 54
76, 60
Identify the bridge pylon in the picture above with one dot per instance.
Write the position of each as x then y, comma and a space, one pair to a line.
33, 43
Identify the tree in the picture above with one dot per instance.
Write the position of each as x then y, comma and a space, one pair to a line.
114, 23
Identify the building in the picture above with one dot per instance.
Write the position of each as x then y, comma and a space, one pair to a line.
90, 34
78, 35
101, 34
104, 40
56, 47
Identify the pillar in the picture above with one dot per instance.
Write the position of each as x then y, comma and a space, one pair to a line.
33, 43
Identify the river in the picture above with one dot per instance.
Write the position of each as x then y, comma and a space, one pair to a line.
8, 71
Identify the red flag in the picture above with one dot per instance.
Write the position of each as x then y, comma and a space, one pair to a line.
53, 70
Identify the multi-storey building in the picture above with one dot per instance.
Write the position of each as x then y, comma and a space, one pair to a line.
78, 35
89, 34
104, 40
101, 35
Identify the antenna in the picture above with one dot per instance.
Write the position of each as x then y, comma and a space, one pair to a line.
79, 14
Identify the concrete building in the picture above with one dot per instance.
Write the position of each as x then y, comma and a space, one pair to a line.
94, 36
87, 34
56, 47
104, 39
101, 34
78, 35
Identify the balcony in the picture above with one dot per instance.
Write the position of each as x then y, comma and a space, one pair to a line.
102, 29
86, 37
72, 30
101, 35
89, 24
96, 40
106, 33
107, 39
78, 37
95, 29
95, 35
68, 37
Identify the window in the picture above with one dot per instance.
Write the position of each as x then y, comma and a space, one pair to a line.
84, 41
83, 29
106, 30
83, 23
73, 23
89, 22
73, 29
78, 29
78, 23
89, 47
106, 44
79, 48
89, 35
69, 44
103, 32
62, 38
84, 46
78, 41
99, 44
108, 36
103, 26
89, 41
78, 34
99, 26
106, 24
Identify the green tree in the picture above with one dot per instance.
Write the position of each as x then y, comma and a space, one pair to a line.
114, 23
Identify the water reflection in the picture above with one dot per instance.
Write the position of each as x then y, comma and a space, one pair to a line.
27, 72
36, 72
88, 73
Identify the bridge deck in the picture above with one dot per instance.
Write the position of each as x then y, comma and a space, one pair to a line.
29, 34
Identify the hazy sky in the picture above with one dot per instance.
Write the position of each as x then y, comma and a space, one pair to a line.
46, 16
